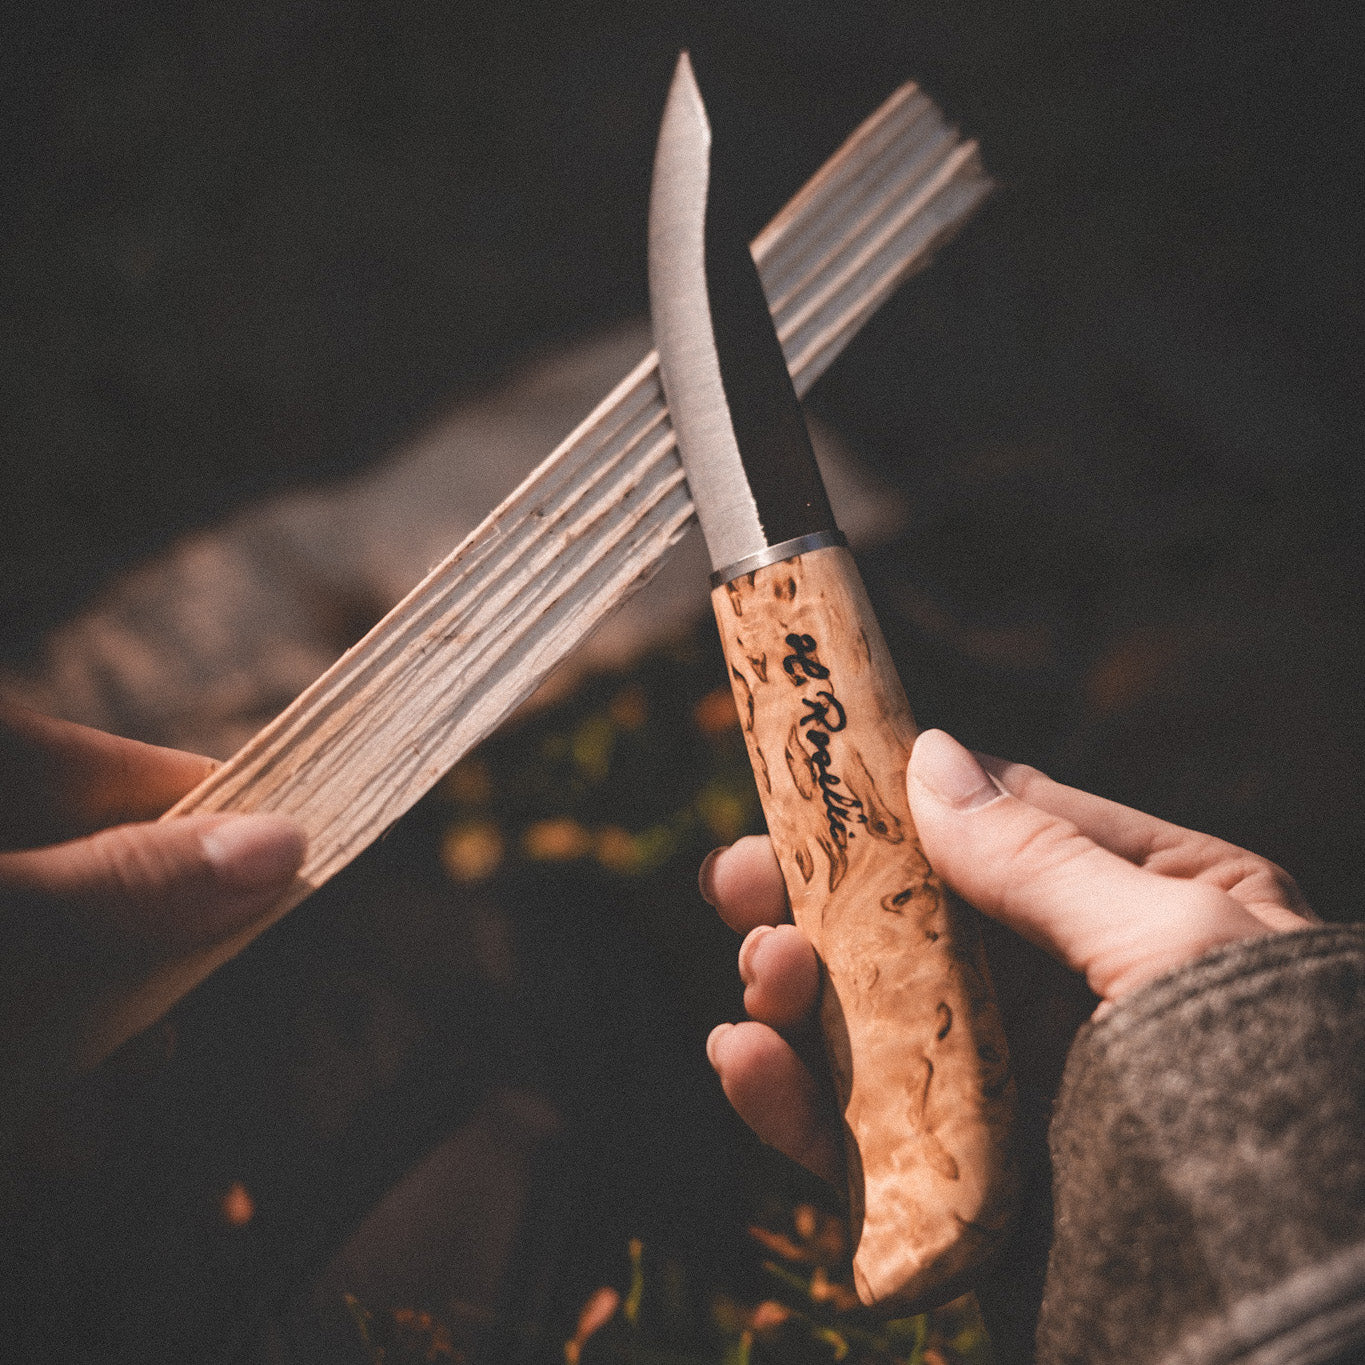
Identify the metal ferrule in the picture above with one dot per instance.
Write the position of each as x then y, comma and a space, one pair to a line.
775, 554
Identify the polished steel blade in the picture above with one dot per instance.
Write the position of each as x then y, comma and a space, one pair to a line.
743, 440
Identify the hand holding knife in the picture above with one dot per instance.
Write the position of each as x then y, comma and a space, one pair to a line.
363, 743
911, 1029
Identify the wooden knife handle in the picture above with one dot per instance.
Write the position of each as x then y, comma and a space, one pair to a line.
910, 1022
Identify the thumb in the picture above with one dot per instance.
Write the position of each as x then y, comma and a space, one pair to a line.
1039, 875
172, 884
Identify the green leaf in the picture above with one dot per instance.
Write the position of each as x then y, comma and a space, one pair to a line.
630, 1310
592, 747
739, 1350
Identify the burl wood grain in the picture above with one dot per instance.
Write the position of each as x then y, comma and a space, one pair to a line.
910, 1022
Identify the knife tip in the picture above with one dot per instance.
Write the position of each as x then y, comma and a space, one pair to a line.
684, 94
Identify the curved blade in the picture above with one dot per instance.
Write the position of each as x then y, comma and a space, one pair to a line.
742, 437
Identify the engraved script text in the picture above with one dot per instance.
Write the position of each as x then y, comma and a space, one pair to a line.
824, 716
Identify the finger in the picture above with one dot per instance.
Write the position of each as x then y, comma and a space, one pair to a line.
781, 976
1159, 846
59, 780
1041, 876
773, 1091
1132, 834
171, 885
745, 884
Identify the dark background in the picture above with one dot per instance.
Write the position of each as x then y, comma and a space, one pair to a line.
250, 246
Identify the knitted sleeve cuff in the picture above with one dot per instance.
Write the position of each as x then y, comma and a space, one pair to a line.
1208, 1151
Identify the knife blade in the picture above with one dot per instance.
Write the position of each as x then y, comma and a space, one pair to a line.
912, 1034
581, 533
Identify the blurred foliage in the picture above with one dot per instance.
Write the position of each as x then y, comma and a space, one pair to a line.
628, 775
665, 1313
401, 1335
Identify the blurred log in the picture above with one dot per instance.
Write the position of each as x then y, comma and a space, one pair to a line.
202, 646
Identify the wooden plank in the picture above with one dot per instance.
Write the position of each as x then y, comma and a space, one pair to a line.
588, 527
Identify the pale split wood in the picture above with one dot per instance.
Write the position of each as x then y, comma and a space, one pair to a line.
588, 527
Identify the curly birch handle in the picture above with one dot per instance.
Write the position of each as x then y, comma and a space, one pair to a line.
914, 1039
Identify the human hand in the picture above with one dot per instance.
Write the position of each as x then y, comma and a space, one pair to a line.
89, 888
1117, 896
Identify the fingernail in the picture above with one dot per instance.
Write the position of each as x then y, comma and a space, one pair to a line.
254, 852
950, 772
747, 950
713, 1040
706, 872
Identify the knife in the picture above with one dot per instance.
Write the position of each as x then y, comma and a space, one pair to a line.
582, 532
911, 1029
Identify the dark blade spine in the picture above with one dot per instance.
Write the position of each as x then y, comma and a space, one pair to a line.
765, 414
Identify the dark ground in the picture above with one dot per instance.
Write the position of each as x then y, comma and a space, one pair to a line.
243, 247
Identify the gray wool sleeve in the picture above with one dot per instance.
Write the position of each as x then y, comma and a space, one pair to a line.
1208, 1150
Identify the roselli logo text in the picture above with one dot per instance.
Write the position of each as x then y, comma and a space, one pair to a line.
823, 716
